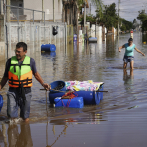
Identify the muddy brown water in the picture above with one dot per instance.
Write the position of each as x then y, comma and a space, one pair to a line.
120, 118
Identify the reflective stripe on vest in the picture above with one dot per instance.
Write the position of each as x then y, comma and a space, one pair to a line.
20, 74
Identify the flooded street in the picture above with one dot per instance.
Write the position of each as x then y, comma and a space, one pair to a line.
120, 118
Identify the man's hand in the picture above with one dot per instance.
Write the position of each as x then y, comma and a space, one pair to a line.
3, 82
46, 86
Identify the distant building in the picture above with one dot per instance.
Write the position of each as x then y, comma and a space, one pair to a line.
37, 5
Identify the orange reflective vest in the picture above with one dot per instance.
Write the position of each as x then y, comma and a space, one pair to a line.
20, 75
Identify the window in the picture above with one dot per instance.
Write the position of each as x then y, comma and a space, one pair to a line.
20, 5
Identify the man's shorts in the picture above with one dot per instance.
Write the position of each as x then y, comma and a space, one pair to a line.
127, 59
15, 100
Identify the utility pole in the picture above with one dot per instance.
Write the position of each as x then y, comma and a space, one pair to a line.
90, 8
84, 17
118, 17
53, 10
43, 10
8, 11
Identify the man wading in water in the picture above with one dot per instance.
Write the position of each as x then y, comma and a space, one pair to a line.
18, 72
129, 53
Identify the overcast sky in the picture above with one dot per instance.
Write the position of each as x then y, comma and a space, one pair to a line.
128, 8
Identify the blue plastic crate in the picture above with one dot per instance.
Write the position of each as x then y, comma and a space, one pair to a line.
76, 102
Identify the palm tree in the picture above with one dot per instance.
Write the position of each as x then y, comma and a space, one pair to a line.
99, 6
97, 3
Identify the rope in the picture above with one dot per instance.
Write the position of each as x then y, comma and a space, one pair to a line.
69, 95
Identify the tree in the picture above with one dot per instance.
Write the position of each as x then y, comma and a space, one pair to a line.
97, 3
123, 28
110, 17
135, 24
90, 18
99, 6
134, 21
128, 25
143, 18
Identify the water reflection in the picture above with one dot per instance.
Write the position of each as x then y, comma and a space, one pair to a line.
111, 46
1, 136
93, 117
62, 132
144, 39
48, 54
22, 139
128, 79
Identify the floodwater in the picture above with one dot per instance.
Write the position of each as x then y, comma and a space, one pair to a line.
120, 118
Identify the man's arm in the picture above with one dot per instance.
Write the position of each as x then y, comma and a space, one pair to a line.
139, 51
3, 82
119, 49
5, 76
40, 80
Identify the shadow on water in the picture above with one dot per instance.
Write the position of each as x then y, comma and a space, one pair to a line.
144, 39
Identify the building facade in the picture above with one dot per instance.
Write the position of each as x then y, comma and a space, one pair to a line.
41, 5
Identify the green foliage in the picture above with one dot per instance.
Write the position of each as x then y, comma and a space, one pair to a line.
123, 28
90, 18
134, 21
107, 16
128, 25
110, 17
80, 4
97, 3
99, 6
143, 17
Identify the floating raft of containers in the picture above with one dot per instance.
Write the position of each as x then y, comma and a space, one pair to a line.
88, 90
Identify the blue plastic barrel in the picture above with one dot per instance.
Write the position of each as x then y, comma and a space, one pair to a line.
1, 102
60, 84
48, 47
75, 37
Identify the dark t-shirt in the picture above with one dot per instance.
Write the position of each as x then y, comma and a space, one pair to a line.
33, 68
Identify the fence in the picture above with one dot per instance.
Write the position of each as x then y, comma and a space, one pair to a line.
35, 33
31, 28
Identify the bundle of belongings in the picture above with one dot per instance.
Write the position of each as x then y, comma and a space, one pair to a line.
83, 85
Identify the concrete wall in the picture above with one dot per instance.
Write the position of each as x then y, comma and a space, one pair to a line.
2, 51
98, 31
48, 8
1, 28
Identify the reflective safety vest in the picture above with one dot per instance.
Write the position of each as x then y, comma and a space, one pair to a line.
20, 75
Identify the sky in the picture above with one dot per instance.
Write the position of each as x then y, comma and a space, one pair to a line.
128, 8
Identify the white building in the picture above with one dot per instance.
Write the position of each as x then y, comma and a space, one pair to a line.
37, 5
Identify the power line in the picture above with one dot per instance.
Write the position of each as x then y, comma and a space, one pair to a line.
132, 4
125, 1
